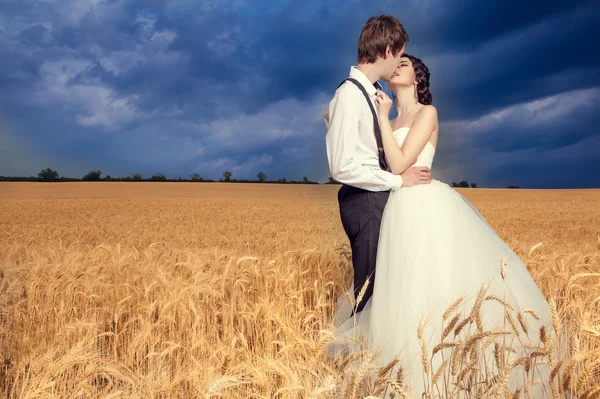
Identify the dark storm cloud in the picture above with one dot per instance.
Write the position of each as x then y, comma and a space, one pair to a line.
182, 87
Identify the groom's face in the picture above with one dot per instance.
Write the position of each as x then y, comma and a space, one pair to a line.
391, 64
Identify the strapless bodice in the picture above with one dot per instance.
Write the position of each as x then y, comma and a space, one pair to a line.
425, 158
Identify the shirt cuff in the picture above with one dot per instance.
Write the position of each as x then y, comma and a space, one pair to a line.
396, 182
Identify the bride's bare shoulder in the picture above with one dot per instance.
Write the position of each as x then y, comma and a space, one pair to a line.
428, 115
427, 111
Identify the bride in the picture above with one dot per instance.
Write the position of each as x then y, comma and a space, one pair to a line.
434, 248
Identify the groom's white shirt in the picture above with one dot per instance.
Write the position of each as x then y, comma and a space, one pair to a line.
351, 145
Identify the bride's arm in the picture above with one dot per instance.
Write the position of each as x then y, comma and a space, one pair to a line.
401, 159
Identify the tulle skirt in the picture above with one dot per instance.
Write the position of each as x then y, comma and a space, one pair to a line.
434, 248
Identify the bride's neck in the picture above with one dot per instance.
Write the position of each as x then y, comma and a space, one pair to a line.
405, 99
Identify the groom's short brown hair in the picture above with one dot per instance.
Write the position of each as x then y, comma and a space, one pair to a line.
375, 36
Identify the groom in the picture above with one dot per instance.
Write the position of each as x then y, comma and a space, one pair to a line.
354, 148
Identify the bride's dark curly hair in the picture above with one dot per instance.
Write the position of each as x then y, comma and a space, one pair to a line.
422, 77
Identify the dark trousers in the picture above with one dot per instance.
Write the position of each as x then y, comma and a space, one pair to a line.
361, 213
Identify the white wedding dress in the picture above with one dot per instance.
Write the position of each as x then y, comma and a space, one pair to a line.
434, 247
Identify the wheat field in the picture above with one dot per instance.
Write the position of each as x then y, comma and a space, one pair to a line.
208, 290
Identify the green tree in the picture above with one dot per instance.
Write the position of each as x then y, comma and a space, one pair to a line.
158, 177
454, 184
137, 176
196, 177
261, 177
463, 183
282, 180
473, 185
48, 174
93, 175
227, 176
305, 179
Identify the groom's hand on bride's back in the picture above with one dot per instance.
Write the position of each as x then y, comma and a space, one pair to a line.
416, 175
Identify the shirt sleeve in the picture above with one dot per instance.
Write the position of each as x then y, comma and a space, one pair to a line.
342, 119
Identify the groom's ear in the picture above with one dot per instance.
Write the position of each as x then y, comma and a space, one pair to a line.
388, 52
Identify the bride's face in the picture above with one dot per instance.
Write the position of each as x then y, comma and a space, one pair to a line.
404, 75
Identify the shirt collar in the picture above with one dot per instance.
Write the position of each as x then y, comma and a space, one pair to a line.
363, 80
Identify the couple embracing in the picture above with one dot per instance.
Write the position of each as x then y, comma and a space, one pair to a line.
417, 244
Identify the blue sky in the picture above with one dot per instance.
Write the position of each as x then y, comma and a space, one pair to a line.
208, 86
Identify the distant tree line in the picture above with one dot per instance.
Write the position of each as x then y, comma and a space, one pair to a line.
261, 177
51, 175
464, 184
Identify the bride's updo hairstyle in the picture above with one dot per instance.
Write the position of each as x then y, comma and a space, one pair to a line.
422, 77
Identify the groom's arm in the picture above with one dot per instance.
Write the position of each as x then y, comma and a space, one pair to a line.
341, 141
